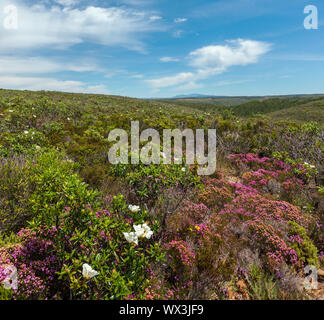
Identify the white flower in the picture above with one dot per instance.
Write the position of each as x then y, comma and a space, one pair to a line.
139, 231
26, 132
10, 111
131, 237
68, 119
34, 115
88, 272
148, 232
37, 147
134, 209
183, 169
143, 231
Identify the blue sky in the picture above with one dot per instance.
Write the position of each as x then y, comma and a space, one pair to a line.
163, 48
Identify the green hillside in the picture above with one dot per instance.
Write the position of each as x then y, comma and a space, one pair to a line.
312, 111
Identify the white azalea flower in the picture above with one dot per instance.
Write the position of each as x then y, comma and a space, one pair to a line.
134, 209
88, 272
131, 237
148, 232
143, 231
139, 231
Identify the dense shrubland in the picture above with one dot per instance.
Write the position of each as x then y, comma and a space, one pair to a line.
155, 232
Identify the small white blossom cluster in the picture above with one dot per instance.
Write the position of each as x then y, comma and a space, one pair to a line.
134, 209
88, 272
309, 165
27, 132
141, 231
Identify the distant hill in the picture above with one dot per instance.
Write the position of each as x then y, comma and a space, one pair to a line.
269, 105
311, 111
205, 102
194, 95
292, 107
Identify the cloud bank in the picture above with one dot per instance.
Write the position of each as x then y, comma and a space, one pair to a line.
62, 27
215, 59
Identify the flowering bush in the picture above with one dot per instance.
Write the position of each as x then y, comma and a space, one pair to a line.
37, 265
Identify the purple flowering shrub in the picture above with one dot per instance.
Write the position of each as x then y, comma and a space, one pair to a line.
37, 265
204, 239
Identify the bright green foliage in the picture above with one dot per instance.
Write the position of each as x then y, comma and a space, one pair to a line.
57, 187
305, 249
261, 286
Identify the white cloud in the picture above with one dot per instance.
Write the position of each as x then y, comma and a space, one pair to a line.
172, 80
38, 65
137, 76
155, 18
169, 59
229, 83
212, 60
216, 59
136, 3
189, 86
39, 83
60, 28
180, 20
67, 3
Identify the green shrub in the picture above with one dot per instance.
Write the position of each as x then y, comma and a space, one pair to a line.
15, 191
98, 240
305, 248
8, 240
261, 286
148, 181
57, 187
